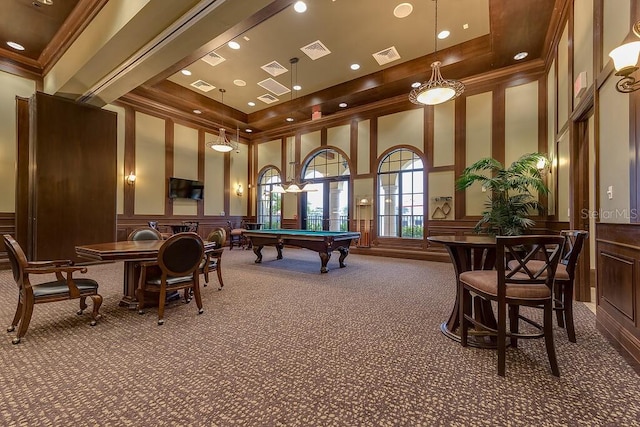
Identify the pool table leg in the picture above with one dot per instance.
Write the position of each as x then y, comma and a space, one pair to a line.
343, 254
324, 257
258, 251
279, 247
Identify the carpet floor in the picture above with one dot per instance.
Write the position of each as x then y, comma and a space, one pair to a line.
283, 345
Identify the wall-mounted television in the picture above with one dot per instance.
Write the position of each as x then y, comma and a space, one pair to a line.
185, 189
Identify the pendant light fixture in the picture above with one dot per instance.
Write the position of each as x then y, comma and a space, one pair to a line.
222, 143
437, 90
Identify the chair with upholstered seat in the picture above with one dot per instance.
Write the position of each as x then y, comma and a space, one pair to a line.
145, 233
512, 285
64, 287
178, 262
191, 225
213, 257
236, 235
564, 279
565, 276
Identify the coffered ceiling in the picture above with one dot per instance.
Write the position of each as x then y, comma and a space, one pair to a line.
162, 39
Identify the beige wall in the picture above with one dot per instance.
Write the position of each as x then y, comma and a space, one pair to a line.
364, 146
404, 128
444, 134
238, 175
120, 157
563, 78
478, 144
10, 87
616, 23
551, 137
213, 180
614, 154
563, 178
150, 165
269, 155
521, 121
441, 184
340, 137
185, 165
583, 40
308, 143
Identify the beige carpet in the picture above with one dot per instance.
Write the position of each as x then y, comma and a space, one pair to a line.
283, 345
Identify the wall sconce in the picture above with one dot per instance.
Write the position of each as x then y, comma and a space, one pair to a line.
239, 190
131, 178
625, 60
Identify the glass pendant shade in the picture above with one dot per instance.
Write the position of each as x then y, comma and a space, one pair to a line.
437, 90
625, 58
221, 143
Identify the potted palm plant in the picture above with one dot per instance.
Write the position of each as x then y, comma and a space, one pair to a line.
510, 192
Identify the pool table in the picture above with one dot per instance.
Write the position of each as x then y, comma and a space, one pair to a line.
323, 242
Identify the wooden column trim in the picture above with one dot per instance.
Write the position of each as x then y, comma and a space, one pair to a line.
353, 147
168, 164
201, 174
498, 124
323, 137
129, 199
460, 154
373, 158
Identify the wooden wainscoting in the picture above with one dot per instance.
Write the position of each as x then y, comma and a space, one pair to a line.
618, 286
205, 225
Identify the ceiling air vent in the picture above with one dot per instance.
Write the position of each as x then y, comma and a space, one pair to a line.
268, 98
274, 68
202, 85
386, 55
315, 50
213, 59
273, 86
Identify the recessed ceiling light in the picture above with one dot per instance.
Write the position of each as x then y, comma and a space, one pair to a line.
415, 84
186, 72
465, 26
248, 130
246, 38
251, 104
239, 82
297, 87
300, 7
402, 10
289, 119
443, 34
16, 46
47, 2
355, 66
197, 111
234, 45
342, 105
520, 56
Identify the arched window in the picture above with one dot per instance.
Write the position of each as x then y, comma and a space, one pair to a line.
401, 195
269, 202
326, 206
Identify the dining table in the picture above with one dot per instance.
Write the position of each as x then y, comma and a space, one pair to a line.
131, 252
470, 252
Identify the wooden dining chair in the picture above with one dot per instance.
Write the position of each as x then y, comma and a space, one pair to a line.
213, 258
564, 279
145, 233
236, 235
64, 287
177, 267
514, 284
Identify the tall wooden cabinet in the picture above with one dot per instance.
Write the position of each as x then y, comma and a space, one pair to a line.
66, 176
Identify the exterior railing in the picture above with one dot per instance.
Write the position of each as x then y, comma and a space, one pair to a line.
317, 223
